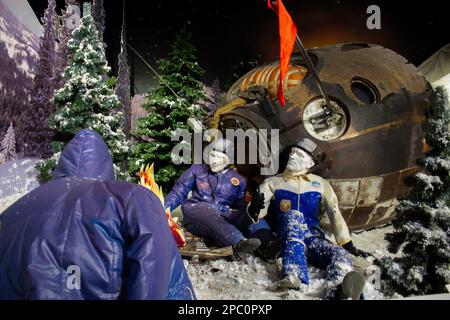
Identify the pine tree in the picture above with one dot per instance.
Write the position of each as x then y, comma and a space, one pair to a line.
99, 16
8, 146
422, 224
123, 80
36, 135
86, 100
169, 104
62, 52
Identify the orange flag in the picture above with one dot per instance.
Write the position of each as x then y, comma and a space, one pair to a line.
288, 32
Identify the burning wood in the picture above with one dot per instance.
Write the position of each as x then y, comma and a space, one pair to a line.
147, 179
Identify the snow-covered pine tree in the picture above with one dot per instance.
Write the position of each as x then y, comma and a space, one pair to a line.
8, 146
422, 224
62, 52
123, 80
36, 135
86, 100
169, 104
99, 16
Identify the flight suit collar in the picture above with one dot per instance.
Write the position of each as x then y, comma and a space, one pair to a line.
300, 175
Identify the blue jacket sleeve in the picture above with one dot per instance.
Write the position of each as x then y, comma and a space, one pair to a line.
181, 189
153, 268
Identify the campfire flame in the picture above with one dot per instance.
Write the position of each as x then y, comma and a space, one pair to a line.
147, 179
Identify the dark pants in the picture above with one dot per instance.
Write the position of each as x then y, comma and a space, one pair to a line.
207, 221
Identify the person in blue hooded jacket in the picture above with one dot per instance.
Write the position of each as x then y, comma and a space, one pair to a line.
217, 210
85, 236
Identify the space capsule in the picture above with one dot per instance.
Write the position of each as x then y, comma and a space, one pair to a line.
372, 131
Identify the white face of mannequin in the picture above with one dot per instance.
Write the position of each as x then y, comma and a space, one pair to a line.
299, 160
218, 161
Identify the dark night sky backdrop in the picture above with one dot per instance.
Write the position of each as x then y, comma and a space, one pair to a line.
225, 31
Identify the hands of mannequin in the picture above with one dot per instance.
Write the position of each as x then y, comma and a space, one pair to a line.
256, 205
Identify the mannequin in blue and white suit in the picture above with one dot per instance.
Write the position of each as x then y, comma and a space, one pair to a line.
300, 199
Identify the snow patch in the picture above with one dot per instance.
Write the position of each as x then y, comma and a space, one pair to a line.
252, 278
16, 179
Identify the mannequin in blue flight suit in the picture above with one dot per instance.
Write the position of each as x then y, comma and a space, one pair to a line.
299, 199
216, 211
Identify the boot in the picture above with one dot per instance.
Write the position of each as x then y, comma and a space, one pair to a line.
289, 282
271, 251
247, 246
352, 286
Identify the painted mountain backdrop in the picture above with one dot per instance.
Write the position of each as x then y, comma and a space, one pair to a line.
18, 56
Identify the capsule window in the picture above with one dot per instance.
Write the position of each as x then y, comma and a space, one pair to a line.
365, 91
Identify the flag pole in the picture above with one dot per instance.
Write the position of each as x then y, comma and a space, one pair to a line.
311, 67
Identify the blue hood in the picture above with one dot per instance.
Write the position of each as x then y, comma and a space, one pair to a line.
86, 156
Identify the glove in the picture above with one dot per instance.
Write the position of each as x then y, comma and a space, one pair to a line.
256, 205
354, 251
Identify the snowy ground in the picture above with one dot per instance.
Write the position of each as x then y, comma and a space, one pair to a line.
250, 278
16, 179
253, 278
